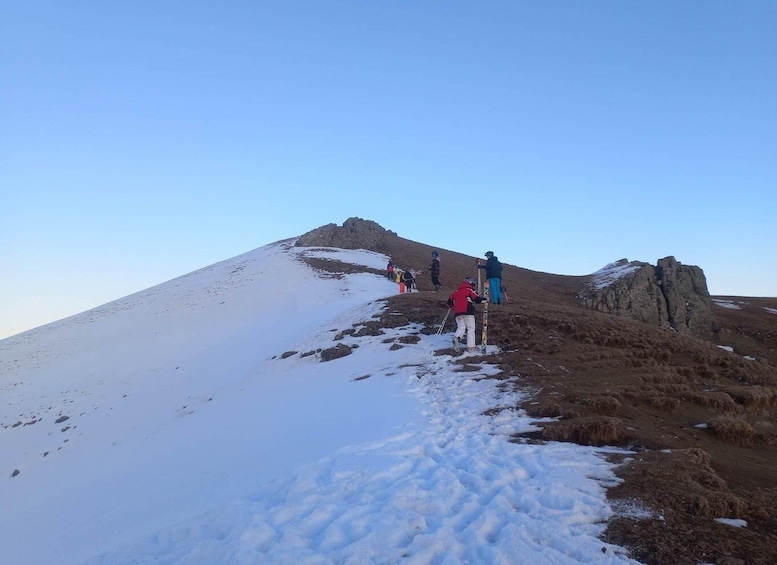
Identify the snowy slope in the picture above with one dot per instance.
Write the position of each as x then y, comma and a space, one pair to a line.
166, 428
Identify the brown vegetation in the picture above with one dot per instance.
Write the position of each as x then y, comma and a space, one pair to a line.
701, 420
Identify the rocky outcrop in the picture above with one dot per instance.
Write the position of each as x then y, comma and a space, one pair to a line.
687, 298
355, 233
669, 294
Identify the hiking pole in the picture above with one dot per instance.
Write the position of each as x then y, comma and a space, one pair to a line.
445, 319
480, 290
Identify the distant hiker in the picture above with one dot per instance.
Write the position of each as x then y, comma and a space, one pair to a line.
409, 280
390, 270
434, 270
463, 301
494, 275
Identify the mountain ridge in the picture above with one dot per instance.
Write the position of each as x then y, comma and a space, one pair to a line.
582, 376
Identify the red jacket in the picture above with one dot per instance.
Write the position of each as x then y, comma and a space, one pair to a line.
463, 300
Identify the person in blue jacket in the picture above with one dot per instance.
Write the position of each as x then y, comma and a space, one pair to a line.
493, 270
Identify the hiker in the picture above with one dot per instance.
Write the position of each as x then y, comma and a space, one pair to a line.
434, 269
409, 280
399, 278
463, 301
390, 270
493, 270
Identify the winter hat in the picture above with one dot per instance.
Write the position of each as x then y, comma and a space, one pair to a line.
469, 281
489, 253
435, 254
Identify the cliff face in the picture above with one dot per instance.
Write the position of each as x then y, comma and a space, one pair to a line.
355, 233
669, 294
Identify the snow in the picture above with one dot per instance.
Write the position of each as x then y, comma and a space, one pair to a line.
726, 304
770, 310
610, 273
737, 523
190, 439
726, 348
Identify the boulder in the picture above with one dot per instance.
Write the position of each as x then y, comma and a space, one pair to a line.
669, 294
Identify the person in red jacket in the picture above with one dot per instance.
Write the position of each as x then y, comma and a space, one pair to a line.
463, 302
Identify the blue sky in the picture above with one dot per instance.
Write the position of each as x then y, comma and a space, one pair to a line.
144, 140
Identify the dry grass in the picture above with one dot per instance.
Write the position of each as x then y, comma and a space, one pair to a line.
660, 401
605, 405
732, 430
754, 398
590, 430
717, 401
574, 361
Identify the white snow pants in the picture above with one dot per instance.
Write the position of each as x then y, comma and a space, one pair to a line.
466, 323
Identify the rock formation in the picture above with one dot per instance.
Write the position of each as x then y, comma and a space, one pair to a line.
355, 233
670, 294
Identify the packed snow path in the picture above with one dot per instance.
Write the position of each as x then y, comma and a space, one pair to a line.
450, 488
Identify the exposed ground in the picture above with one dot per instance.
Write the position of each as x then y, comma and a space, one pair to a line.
702, 420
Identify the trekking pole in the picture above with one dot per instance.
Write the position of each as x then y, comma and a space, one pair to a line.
480, 290
445, 319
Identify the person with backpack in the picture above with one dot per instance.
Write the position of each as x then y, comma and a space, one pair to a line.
493, 270
390, 270
463, 301
409, 280
434, 270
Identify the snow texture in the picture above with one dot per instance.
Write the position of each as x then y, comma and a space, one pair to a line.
735, 522
169, 427
610, 273
726, 304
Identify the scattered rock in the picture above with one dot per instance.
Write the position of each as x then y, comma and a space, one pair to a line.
340, 350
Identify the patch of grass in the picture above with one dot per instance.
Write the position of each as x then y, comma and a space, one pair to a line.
735, 431
591, 430
605, 405
660, 401
754, 398
717, 401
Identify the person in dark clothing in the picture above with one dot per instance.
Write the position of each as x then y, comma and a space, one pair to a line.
463, 302
434, 270
409, 280
390, 270
493, 270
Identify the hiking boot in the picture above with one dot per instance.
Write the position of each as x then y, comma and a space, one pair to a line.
456, 345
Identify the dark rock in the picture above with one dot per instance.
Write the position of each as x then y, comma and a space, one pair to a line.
670, 295
687, 298
355, 233
340, 350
